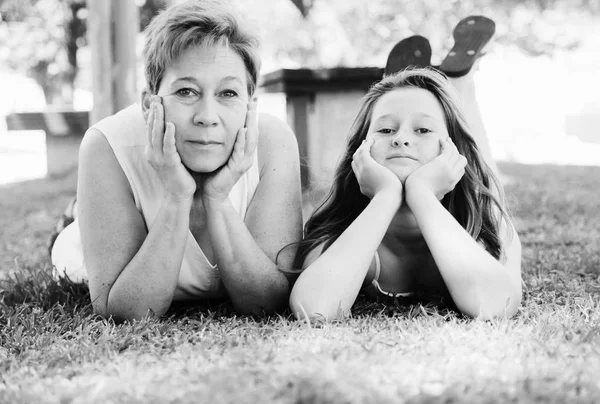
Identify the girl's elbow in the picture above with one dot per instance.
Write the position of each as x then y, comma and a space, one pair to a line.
484, 309
307, 310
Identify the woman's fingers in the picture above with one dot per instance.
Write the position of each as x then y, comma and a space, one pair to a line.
159, 124
251, 134
169, 145
150, 127
251, 114
240, 144
236, 161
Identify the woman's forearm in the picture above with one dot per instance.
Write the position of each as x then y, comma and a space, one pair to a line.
251, 278
479, 285
149, 281
329, 286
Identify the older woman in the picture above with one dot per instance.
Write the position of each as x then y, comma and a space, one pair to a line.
191, 194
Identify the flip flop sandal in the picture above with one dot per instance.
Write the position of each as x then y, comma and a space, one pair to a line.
412, 51
470, 36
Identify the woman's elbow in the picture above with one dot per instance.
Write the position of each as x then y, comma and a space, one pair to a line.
261, 309
120, 313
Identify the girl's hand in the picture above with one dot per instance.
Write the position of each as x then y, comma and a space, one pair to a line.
441, 174
162, 154
372, 177
218, 185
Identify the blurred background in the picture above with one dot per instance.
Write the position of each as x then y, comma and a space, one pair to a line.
538, 85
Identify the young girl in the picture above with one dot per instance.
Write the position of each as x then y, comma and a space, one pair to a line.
413, 208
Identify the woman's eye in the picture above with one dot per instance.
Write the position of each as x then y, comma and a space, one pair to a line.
229, 94
422, 130
186, 92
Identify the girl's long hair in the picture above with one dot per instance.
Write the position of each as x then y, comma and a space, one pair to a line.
477, 202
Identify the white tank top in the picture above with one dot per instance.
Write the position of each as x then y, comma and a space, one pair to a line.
126, 134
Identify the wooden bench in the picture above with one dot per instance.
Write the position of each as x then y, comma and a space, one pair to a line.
321, 105
64, 131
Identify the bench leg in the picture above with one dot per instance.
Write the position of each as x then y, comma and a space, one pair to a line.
62, 153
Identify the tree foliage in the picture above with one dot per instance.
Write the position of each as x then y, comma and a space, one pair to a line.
358, 32
40, 37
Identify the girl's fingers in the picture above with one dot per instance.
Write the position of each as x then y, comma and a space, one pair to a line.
459, 176
365, 146
369, 143
453, 146
446, 145
354, 168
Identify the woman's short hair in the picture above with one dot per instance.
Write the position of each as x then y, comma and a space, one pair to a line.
195, 23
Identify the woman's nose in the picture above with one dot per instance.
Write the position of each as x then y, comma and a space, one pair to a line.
206, 113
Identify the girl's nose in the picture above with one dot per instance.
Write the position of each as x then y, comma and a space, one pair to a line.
397, 142
402, 138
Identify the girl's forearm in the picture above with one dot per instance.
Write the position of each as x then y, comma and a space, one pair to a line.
329, 286
251, 278
149, 281
477, 282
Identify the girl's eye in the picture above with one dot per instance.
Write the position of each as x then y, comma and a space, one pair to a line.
422, 130
385, 131
186, 92
229, 94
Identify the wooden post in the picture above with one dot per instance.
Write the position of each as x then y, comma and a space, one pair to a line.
113, 26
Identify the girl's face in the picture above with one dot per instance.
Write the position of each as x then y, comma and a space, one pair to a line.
205, 95
406, 125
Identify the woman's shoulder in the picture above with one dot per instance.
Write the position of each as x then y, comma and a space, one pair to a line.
94, 143
126, 128
273, 129
276, 142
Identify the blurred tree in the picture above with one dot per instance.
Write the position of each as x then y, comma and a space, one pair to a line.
40, 38
303, 5
358, 32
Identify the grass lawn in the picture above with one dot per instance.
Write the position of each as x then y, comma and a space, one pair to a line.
53, 349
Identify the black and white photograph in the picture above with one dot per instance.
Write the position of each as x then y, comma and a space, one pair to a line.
299, 201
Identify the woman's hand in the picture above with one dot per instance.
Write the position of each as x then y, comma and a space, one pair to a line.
162, 154
441, 174
218, 185
372, 177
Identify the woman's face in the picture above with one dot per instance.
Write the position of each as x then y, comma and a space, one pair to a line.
205, 95
406, 126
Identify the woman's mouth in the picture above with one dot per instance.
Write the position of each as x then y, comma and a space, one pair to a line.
203, 144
